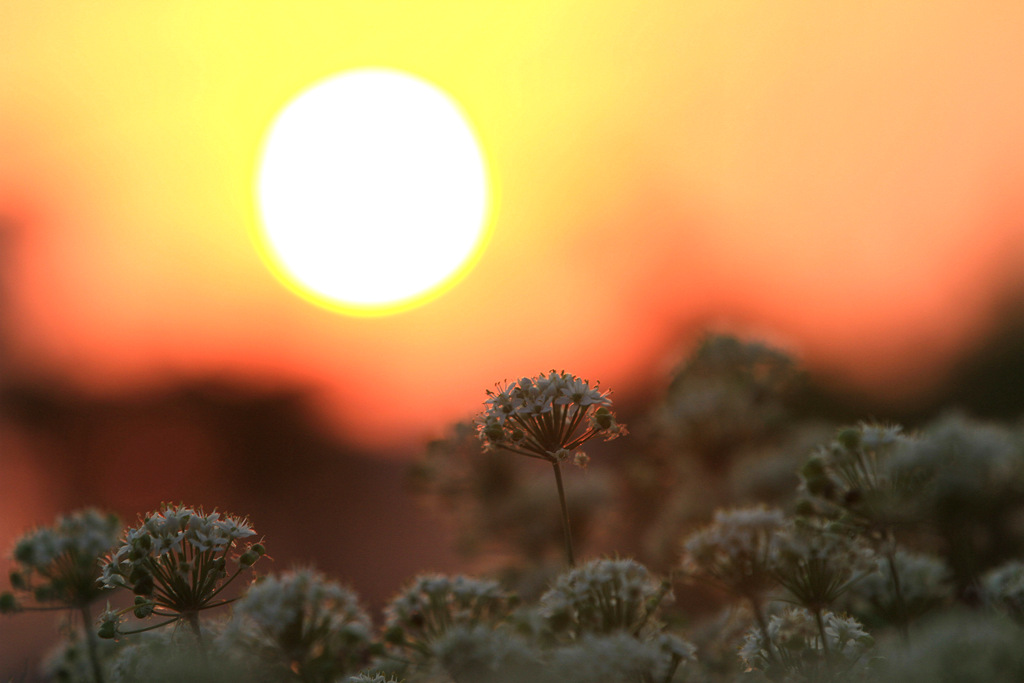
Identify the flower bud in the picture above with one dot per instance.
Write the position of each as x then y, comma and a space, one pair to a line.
394, 635
804, 508
849, 438
23, 553
816, 479
249, 557
141, 545
108, 630
143, 607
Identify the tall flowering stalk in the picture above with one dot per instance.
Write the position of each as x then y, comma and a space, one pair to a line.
735, 553
854, 479
816, 564
548, 417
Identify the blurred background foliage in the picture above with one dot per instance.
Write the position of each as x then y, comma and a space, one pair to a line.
732, 424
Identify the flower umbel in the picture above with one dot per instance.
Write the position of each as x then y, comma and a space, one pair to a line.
59, 567
300, 621
434, 603
734, 552
802, 651
604, 596
176, 563
59, 564
548, 417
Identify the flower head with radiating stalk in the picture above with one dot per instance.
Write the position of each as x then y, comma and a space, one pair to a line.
804, 652
604, 596
735, 550
302, 622
548, 417
59, 564
176, 562
434, 603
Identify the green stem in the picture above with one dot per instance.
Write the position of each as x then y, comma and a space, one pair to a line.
193, 621
904, 617
762, 623
565, 514
821, 632
90, 641
676, 659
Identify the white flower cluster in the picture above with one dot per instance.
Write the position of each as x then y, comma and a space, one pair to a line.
60, 563
735, 550
172, 656
816, 564
371, 678
1003, 587
959, 645
177, 533
175, 562
548, 416
538, 395
873, 436
618, 657
434, 603
87, 533
304, 620
603, 596
485, 653
924, 583
794, 642
856, 474
482, 653
961, 459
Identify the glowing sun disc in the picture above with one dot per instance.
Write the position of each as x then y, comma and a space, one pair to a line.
373, 193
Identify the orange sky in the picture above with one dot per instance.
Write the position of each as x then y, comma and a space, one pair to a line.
848, 175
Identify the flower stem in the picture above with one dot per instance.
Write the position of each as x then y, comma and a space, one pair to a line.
193, 621
565, 514
762, 623
900, 602
821, 632
90, 641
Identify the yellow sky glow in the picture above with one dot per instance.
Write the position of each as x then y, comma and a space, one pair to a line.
846, 173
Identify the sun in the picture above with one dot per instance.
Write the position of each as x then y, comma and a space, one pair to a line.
373, 192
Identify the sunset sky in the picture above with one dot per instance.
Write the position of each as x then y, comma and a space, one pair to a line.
845, 177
